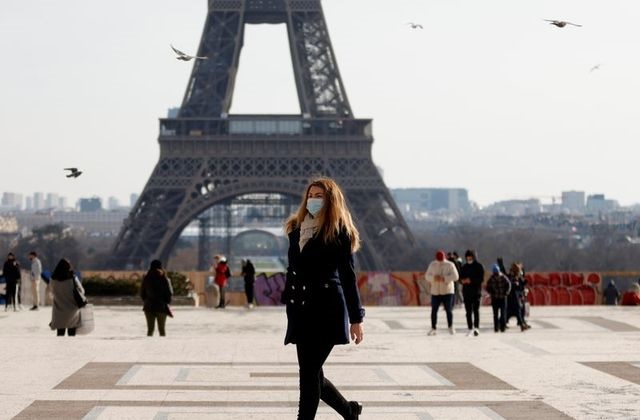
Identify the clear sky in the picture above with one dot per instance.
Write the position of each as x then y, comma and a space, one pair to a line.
487, 96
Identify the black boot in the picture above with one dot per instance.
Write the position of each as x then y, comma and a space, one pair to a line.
356, 410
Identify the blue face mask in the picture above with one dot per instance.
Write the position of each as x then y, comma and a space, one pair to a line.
314, 205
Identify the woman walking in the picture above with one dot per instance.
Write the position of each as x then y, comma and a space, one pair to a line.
156, 292
321, 293
65, 313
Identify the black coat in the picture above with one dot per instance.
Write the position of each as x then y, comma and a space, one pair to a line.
249, 272
475, 273
11, 271
156, 292
321, 292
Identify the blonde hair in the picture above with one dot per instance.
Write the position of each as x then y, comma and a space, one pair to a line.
333, 217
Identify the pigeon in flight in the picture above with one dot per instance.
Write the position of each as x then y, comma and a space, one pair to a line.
74, 172
186, 57
560, 23
415, 25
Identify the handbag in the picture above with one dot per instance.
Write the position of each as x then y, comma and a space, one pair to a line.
87, 323
169, 311
80, 299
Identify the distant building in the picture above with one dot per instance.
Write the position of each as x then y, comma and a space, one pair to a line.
133, 199
417, 202
514, 207
29, 203
52, 201
63, 203
173, 112
38, 201
90, 204
597, 203
113, 203
574, 201
12, 201
93, 223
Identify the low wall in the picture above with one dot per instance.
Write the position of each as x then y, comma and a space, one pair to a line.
390, 288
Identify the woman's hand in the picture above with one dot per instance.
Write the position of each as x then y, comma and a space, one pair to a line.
357, 333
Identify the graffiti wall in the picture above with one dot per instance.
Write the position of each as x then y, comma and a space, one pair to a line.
411, 289
400, 288
558, 288
268, 288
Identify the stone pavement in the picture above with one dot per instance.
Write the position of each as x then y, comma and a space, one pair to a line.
576, 362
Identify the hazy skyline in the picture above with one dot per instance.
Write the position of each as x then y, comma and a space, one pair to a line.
486, 97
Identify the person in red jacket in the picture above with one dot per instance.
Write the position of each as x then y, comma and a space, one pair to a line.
222, 274
632, 296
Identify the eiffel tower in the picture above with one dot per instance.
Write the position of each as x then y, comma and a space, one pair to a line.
208, 157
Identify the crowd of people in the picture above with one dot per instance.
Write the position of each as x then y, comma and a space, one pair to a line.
454, 282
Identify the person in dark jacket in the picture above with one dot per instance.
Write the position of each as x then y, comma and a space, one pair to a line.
516, 299
472, 276
499, 287
11, 273
611, 294
156, 292
457, 294
249, 274
321, 293
65, 313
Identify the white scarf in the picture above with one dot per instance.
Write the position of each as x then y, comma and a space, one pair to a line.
308, 228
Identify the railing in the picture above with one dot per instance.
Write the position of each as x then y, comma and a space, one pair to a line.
264, 125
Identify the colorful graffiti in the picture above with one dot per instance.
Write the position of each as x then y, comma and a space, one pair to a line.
268, 288
564, 288
392, 289
411, 289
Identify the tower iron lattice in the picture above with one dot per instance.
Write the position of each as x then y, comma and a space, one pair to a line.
207, 156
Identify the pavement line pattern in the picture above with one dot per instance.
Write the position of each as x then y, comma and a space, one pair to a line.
502, 410
608, 323
527, 348
394, 325
126, 378
545, 324
629, 371
456, 375
435, 375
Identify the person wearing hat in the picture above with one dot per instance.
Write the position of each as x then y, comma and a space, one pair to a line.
472, 276
441, 274
499, 286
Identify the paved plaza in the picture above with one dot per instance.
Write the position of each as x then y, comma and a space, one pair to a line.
576, 362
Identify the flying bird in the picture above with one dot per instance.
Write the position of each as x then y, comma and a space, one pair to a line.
185, 57
594, 68
74, 172
560, 23
415, 25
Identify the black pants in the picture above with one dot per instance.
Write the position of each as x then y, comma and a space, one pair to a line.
447, 301
248, 290
314, 386
499, 321
222, 298
151, 321
10, 296
472, 308
70, 332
